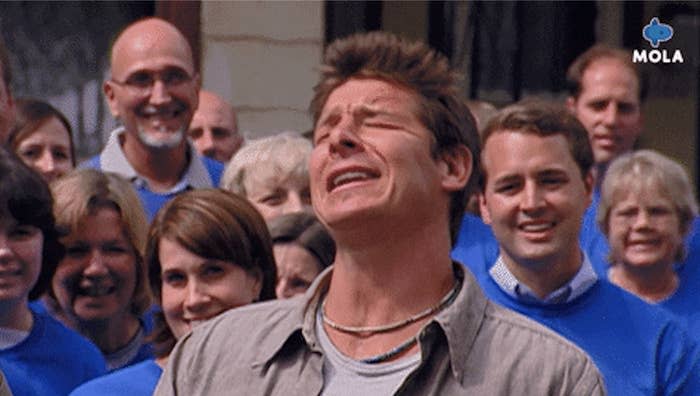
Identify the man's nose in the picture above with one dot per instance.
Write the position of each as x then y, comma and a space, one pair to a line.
611, 114
204, 143
531, 197
344, 141
159, 92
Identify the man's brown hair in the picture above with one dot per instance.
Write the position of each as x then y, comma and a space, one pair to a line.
543, 119
574, 75
422, 70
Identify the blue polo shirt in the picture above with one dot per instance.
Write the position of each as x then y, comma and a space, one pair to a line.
201, 172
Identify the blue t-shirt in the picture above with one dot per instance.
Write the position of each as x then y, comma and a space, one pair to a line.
685, 302
52, 360
137, 380
145, 350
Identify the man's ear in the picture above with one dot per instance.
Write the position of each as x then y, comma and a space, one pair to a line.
456, 167
11, 108
485, 215
108, 90
197, 80
641, 124
571, 104
10, 100
256, 277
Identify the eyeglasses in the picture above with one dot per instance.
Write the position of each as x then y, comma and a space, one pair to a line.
142, 82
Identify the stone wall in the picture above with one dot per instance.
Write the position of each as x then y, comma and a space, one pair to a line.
263, 58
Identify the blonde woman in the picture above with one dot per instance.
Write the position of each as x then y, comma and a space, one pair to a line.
646, 210
100, 288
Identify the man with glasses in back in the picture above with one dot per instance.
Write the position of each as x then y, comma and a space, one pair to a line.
153, 92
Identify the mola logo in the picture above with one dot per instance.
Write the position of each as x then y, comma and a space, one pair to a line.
656, 32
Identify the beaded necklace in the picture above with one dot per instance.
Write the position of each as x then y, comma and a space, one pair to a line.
383, 357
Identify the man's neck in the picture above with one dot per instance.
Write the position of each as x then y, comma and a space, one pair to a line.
384, 280
599, 170
162, 168
546, 276
390, 276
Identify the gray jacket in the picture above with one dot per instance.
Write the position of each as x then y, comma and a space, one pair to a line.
473, 347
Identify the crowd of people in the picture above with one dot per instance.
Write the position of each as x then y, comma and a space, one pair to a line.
417, 244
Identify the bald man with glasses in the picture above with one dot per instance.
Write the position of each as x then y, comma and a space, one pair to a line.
153, 92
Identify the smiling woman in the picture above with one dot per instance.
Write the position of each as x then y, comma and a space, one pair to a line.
646, 209
42, 138
100, 287
208, 251
38, 355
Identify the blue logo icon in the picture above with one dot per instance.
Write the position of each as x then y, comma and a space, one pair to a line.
656, 32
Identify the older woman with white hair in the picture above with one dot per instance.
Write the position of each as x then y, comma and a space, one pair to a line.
646, 209
272, 173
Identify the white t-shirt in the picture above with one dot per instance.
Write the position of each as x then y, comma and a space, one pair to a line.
345, 376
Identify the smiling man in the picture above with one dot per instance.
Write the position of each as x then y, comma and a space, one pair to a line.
537, 182
605, 94
153, 91
392, 164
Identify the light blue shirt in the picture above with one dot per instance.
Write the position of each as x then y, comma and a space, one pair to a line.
582, 281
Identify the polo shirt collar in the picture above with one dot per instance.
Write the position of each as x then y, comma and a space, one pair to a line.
113, 159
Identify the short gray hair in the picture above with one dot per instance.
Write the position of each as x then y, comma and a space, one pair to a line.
286, 153
648, 169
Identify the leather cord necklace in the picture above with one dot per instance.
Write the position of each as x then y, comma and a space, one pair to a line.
391, 326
